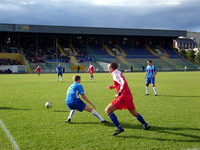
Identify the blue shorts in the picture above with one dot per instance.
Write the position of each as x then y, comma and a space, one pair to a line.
150, 80
59, 73
77, 104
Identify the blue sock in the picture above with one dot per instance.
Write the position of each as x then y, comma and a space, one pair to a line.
114, 119
141, 120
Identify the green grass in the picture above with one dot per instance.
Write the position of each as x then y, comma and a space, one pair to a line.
173, 115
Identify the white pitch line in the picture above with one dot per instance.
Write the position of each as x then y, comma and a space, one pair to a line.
13, 142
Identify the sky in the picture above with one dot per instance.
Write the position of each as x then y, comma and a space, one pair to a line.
143, 14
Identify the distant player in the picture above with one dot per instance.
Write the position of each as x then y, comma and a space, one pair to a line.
91, 70
124, 99
185, 68
150, 77
59, 70
38, 70
75, 103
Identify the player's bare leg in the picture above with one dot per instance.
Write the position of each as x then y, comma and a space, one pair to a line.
139, 118
155, 90
110, 112
110, 108
133, 112
87, 108
95, 113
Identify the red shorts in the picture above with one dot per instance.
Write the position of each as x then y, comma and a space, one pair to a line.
91, 72
123, 102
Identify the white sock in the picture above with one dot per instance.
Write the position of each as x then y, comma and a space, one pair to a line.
154, 89
71, 114
147, 90
61, 79
96, 114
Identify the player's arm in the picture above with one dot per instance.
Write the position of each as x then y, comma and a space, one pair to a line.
81, 92
87, 100
155, 72
154, 75
145, 75
121, 81
111, 87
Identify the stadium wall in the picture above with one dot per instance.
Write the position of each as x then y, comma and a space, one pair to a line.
13, 68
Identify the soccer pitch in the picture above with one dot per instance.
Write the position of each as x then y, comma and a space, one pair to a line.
174, 115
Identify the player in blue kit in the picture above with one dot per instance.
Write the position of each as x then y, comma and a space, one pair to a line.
150, 77
75, 103
59, 70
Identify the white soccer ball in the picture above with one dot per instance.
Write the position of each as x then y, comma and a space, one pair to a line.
48, 105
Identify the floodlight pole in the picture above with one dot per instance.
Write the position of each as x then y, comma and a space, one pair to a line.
56, 46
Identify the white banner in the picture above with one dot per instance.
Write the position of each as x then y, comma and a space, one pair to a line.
13, 68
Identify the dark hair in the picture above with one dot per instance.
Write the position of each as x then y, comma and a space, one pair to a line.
149, 61
76, 77
113, 65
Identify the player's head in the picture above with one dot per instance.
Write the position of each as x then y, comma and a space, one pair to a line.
59, 64
112, 67
149, 62
90, 63
77, 78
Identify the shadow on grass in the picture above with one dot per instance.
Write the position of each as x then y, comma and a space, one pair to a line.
12, 108
61, 111
178, 96
124, 125
91, 81
165, 130
84, 123
79, 123
110, 124
158, 139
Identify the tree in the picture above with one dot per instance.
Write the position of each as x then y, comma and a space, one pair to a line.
182, 52
190, 54
197, 58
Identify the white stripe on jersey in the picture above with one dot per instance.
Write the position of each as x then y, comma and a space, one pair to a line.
117, 76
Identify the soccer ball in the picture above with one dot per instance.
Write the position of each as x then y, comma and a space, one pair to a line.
48, 105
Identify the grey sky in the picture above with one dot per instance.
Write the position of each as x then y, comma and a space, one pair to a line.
157, 14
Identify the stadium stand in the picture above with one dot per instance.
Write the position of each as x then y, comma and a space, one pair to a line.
170, 51
7, 61
78, 46
7, 45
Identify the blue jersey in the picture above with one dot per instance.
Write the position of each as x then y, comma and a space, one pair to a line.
73, 92
150, 71
59, 69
